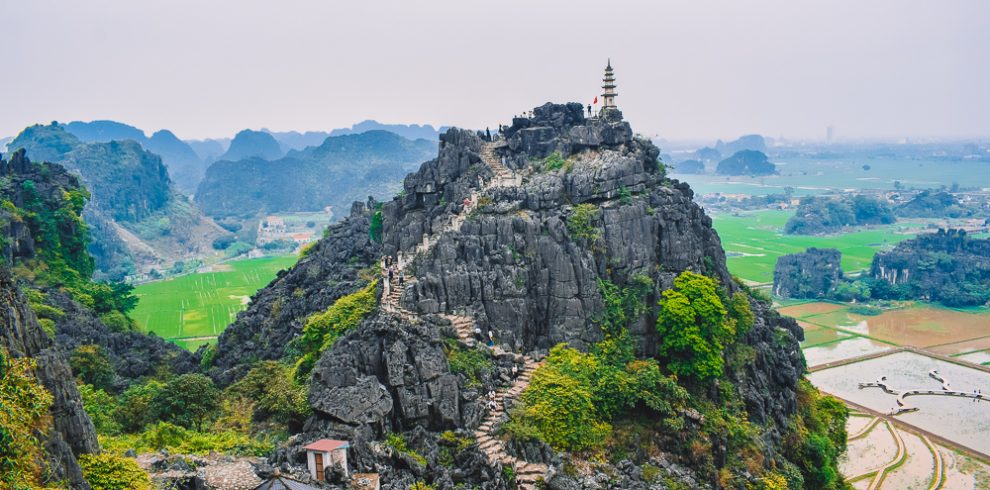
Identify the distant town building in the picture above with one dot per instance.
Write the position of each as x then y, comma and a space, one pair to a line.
324, 453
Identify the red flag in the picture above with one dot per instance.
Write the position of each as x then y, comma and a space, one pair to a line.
596, 100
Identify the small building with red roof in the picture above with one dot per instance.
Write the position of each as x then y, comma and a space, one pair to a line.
324, 453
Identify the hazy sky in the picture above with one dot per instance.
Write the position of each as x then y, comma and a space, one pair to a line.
688, 69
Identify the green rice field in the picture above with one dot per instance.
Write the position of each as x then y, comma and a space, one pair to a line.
192, 310
753, 242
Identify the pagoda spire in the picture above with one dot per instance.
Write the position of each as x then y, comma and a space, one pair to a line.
608, 89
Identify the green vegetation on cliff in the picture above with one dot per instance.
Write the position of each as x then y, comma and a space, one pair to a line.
323, 328
24, 405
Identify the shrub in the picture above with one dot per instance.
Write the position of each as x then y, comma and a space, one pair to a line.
865, 310
110, 472
48, 326
322, 329
693, 327
375, 228
817, 437
135, 406
187, 400
222, 242
175, 439
398, 442
581, 222
625, 197
554, 161
276, 394
100, 406
117, 321
91, 366
472, 363
561, 408
23, 419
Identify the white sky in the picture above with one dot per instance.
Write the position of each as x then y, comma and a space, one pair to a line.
687, 69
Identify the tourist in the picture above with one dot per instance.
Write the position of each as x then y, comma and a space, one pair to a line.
491, 338
477, 334
589, 110
388, 261
391, 271
402, 278
488, 134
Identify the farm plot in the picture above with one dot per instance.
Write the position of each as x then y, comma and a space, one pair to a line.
192, 310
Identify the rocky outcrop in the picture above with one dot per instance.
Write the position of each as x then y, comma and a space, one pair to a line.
278, 312
814, 273
72, 431
948, 266
586, 201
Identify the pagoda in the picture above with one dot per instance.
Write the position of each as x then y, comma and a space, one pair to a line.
608, 88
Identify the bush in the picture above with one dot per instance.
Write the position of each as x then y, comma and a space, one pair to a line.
561, 408
322, 329
91, 366
865, 310
472, 363
222, 242
817, 437
187, 400
398, 442
117, 321
375, 228
276, 395
554, 161
100, 406
23, 419
694, 328
109, 472
135, 406
581, 222
175, 439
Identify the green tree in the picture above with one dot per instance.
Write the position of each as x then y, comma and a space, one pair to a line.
91, 366
693, 327
100, 406
187, 400
135, 406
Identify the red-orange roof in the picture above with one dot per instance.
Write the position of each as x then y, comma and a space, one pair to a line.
326, 445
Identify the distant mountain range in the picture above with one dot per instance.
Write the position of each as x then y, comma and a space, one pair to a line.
336, 173
294, 140
137, 217
185, 167
249, 144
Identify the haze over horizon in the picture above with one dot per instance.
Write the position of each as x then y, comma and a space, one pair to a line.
704, 70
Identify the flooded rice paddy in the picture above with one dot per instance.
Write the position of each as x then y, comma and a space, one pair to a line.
960, 420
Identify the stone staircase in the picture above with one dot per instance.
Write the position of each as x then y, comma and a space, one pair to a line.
464, 326
527, 474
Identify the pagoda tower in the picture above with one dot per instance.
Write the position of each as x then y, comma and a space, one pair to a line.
608, 88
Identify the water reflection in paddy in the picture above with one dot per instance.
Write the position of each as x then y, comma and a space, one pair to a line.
958, 419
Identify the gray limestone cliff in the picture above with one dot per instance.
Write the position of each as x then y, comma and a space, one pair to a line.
72, 430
